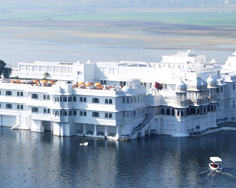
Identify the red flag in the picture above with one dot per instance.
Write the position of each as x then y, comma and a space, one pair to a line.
158, 86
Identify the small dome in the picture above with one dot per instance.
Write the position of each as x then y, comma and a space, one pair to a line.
213, 61
127, 89
211, 82
67, 88
220, 81
181, 86
204, 84
56, 88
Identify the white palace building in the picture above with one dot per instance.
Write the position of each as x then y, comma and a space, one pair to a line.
182, 94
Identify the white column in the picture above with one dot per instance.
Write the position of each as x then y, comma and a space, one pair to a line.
106, 131
117, 131
95, 130
84, 130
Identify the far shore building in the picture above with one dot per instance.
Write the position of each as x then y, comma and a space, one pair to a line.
182, 94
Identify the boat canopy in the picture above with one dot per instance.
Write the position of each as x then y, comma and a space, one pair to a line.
215, 159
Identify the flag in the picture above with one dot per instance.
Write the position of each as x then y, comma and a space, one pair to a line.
158, 86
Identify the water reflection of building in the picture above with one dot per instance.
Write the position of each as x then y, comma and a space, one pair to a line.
181, 94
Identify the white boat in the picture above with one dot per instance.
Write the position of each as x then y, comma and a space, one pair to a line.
83, 143
216, 164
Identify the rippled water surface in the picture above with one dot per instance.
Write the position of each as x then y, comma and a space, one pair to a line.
29, 159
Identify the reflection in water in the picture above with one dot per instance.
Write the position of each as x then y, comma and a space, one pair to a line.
31, 159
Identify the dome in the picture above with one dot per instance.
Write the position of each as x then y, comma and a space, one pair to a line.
211, 82
204, 84
56, 88
67, 88
127, 89
220, 81
181, 87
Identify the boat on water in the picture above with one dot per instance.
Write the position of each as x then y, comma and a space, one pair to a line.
215, 165
83, 143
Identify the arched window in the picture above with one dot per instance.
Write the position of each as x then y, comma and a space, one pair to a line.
182, 113
81, 99
48, 111
60, 99
64, 113
64, 99
167, 111
44, 110
70, 113
106, 115
21, 107
21, 94
18, 93
9, 106
44, 97
8, 93
198, 111
85, 99
106, 101
188, 111
74, 99
81, 113
48, 97
75, 113
110, 101
70, 99
18, 106
134, 113
192, 111
110, 115
162, 111
35, 96
95, 100
127, 99
173, 112
95, 114
56, 99
85, 113
35, 110
123, 99
56, 113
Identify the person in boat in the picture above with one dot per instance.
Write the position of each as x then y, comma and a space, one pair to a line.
213, 165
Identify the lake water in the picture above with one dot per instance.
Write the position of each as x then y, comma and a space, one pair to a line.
31, 159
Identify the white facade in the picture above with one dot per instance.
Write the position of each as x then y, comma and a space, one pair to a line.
195, 95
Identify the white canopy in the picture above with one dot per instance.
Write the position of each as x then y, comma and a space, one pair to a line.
215, 159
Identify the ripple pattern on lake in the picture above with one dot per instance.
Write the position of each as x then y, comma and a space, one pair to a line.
31, 159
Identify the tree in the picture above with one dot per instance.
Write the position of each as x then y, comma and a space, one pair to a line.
4, 70
45, 75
